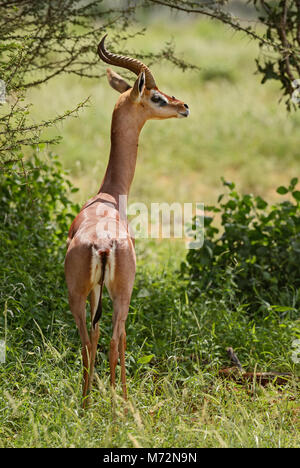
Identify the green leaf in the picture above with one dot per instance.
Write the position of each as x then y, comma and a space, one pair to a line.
282, 190
145, 359
231, 205
231, 185
293, 183
296, 195
260, 203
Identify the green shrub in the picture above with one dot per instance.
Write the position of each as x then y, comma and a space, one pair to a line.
254, 259
35, 214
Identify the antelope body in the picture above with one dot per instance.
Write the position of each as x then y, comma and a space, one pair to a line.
100, 247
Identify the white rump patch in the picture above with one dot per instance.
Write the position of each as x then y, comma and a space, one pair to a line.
111, 265
95, 267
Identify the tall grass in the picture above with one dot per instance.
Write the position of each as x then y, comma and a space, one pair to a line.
175, 400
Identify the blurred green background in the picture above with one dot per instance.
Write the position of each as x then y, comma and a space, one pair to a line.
237, 127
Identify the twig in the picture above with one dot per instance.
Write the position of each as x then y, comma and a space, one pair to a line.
234, 359
238, 374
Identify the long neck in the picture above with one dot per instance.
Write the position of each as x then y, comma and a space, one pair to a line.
125, 129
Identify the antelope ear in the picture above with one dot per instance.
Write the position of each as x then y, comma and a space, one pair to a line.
138, 87
116, 81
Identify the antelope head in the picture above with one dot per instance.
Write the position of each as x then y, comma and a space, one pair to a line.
153, 103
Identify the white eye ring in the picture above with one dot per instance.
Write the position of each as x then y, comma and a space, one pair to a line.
159, 99
155, 98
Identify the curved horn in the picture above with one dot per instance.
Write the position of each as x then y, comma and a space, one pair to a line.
131, 64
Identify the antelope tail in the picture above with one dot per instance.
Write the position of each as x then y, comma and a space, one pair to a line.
103, 256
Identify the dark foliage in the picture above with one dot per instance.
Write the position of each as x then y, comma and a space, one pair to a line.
255, 260
35, 214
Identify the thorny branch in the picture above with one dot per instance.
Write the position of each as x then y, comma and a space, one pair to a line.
278, 34
40, 40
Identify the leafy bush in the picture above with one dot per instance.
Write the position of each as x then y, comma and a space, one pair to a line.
256, 258
35, 214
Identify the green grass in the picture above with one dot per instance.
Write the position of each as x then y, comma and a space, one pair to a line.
176, 400
202, 412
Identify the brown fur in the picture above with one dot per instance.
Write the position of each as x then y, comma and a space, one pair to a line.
100, 231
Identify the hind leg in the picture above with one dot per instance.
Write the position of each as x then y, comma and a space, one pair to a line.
77, 305
118, 343
94, 301
121, 296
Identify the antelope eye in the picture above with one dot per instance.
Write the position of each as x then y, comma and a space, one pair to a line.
156, 98
159, 100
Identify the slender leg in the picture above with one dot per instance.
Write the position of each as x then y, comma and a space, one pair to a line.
94, 299
113, 360
122, 349
120, 291
118, 343
86, 352
77, 306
